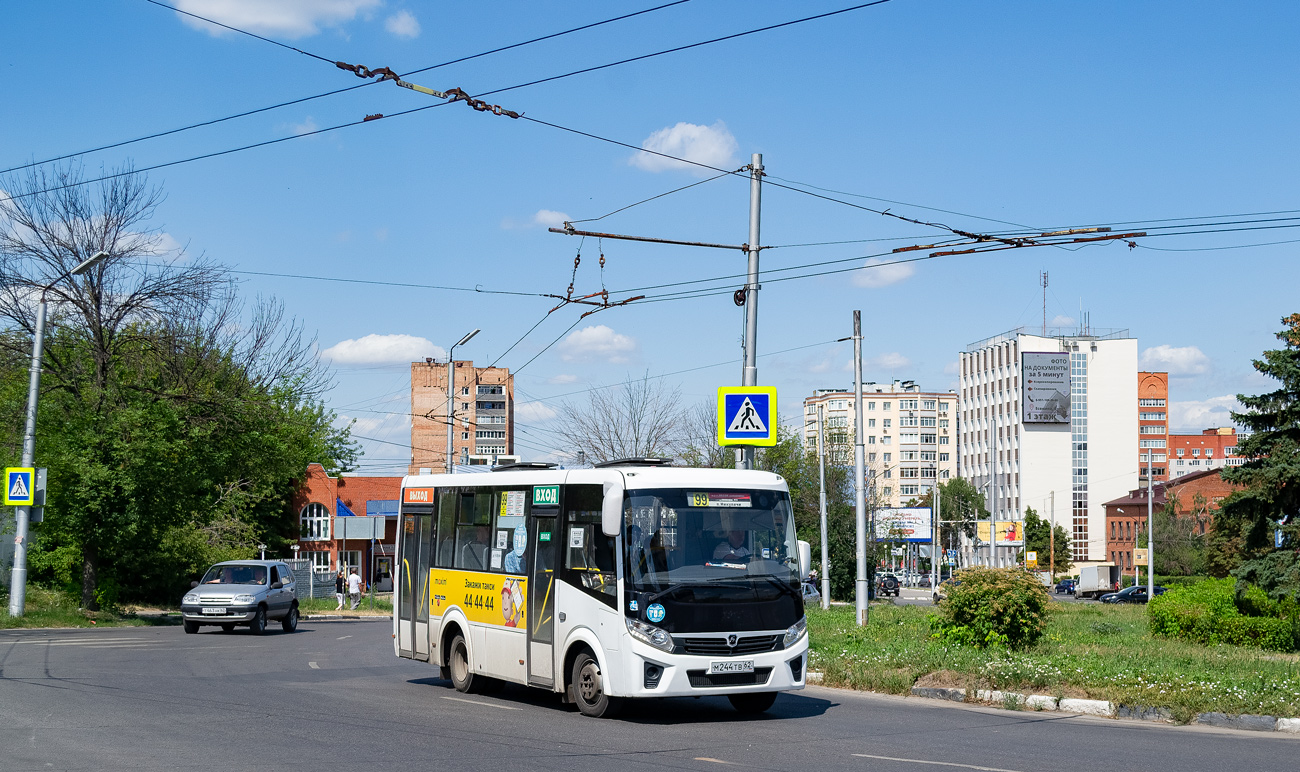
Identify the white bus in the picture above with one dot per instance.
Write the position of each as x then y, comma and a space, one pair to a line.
627, 580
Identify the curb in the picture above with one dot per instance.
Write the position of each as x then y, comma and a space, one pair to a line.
353, 617
1103, 708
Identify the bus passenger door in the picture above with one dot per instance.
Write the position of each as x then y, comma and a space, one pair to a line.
421, 586
408, 542
541, 604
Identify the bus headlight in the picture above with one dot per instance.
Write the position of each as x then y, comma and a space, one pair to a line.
795, 632
648, 633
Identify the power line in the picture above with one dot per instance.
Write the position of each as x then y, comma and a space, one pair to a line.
341, 90
652, 198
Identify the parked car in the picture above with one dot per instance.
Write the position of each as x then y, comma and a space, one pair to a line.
924, 581
1066, 586
810, 593
1135, 594
888, 584
242, 592
941, 591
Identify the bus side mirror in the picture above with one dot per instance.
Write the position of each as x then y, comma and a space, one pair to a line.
611, 511
805, 560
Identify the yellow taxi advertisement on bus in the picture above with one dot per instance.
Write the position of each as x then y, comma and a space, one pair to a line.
484, 598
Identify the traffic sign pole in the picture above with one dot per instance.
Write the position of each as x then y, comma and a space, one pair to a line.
18, 579
749, 376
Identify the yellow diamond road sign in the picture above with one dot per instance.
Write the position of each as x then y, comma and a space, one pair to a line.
19, 485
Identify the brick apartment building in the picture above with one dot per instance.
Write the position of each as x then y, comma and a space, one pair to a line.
483, 409
1153, 426
1211, 449
1197, 496
339, 516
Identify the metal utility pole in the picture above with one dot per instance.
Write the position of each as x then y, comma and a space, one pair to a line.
821, 477
1043, 280
934, 541
749, 375
862, 588
1051, 537
1151, 553
451, 397
991, 492
18, 578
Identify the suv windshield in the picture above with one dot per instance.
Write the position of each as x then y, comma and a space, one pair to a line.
235, 575
677, 536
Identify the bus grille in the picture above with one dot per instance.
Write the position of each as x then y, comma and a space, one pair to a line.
701, 679
717, 647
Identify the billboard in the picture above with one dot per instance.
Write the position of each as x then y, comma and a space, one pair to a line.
1010, 533
1045, 387
903, 524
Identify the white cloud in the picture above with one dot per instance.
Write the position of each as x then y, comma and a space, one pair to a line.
1184, 360
382, 349
597, 342
403, 24
533, 412
306, 127
285, 18
1195, 415
876, 273
890, 361
562, 379
713, 145
550, 218
1061, 320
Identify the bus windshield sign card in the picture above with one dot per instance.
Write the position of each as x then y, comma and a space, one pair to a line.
747, 415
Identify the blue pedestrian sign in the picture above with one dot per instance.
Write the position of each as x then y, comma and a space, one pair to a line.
747, 415
19, 487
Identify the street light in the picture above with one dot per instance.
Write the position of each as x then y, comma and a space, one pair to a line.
451, 395
18, 580
262, 549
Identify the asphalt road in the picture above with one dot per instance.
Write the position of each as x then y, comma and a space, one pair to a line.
333, 697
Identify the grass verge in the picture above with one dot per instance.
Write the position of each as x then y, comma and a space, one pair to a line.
1089, 650
383, 605
50, 608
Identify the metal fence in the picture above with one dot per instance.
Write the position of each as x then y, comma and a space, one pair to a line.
310, 583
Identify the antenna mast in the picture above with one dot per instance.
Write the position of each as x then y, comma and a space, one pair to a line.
1042, 277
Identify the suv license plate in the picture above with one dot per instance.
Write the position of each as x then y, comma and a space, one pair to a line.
731, 666
214, 610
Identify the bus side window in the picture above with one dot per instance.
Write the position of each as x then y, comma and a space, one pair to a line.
589, 553
474, 530
446, 528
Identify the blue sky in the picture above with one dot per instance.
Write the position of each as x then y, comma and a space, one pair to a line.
1043, 115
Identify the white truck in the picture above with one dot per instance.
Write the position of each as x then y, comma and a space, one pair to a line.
1097, 580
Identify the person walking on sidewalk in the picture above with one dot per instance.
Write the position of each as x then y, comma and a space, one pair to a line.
354, 588
339, 584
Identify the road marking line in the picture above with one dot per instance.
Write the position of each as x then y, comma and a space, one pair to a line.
341, 637
313, 666
935, 763
715, 761
484, 704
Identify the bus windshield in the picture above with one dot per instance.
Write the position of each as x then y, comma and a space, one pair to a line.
680, 536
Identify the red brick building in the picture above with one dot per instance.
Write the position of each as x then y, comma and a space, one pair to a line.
483, 409
1211, 449
1153, 425
1197, 495
339, 516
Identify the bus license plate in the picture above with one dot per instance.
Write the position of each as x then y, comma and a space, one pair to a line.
214, 610
731, 666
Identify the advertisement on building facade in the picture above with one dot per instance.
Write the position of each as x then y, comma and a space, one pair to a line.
903, 524
1045, 387
1010, 533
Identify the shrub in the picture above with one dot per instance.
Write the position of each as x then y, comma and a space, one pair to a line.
993, 606
1214, 612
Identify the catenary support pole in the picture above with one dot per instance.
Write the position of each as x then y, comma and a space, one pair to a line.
451, 396
862, 587
18, 579
749, 376
821, 482
1151, 553
934, 541
1051, 537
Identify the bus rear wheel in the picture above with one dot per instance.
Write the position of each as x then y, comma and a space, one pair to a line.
752, 703
589, 691
461, 676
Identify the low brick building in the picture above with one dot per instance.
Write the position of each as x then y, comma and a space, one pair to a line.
348, 521
1196, 495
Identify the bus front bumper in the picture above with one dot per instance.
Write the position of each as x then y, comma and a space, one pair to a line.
651, 672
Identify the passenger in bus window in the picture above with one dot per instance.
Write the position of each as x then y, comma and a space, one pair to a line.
515, 558
733, 549
474, 554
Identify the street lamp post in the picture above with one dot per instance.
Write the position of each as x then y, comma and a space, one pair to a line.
18, 580
262, 549
451, 396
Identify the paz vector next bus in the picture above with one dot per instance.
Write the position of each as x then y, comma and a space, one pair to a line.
632, 579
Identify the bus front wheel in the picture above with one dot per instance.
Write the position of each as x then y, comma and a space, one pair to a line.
588, 689
461, 676
752, 703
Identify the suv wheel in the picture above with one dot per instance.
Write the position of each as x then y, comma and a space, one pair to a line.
191, 627
290, 621
752, 703
258, 625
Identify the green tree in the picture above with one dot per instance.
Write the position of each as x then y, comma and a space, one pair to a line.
1180, 546
1039, 538
1243, 539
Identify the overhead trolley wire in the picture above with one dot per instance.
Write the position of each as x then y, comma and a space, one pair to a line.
289, 103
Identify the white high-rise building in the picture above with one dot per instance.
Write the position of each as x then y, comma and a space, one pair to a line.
1052, 417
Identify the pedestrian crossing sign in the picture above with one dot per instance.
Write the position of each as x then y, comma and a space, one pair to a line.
747, 415
19, 486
